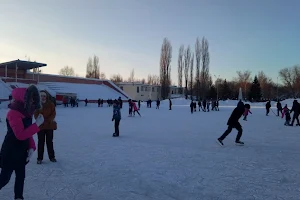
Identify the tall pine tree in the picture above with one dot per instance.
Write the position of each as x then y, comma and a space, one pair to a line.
255, 91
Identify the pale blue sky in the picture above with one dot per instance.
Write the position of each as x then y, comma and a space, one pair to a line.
126, 34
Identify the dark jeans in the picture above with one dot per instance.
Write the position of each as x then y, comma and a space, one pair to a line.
229, 129
279, 111
45, 135
268, 111
117, 124
19, 180
295, 117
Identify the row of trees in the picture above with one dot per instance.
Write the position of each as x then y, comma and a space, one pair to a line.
194, 85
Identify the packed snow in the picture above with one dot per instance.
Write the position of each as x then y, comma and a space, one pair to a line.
164, 155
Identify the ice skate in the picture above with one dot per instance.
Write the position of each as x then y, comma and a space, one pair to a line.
53, 160
220, 142
239, 143
39, 162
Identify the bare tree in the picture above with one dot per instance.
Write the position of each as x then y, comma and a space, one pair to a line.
244, 80
102, 76
266, 85
291, 79
180, 67
187, 58
131, 76
165, 68
93, 68
192, 75
67, 71
198, 64
153, 80
116, 78
204, 78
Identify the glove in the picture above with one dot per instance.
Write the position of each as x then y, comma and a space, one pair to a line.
39, 120
30, 152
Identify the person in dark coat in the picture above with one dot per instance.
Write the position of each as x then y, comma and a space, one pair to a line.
268, 106
120, 103
195, 106
204, 105
157, 103
233, 122
99, 102
139, 104
296, 110
116, 117
86, 102
170, 104
192, 106
18, 145
279, 108
199, 104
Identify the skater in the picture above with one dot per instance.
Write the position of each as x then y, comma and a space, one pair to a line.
199, 104
135, 109
139, 104
99, 102
285, 110
18, 145
296, 110
246, 113
195, 106
268, 106
116, 117
120, 103
208, 105
170, 104
47, 128
204, 105
157, 103
279, 108
86, 102
192, 107
287, 118
233, 122
130, 107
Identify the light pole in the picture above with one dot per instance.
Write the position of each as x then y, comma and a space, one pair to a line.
217, 81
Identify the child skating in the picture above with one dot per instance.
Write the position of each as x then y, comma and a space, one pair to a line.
18, 145
246, 113
135, 109
233, 122
287, 118
116, 117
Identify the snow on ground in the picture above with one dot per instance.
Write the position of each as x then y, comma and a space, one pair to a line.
164, 155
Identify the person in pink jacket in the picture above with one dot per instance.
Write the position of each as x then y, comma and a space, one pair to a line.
135, 109
18, 145
284, 110
246, 113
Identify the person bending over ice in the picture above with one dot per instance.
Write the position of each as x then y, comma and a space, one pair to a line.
233, 122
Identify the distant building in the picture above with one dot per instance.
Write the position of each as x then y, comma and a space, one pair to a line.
140, 91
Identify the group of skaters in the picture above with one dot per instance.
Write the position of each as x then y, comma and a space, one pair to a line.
73, 101
204, 105
286, 112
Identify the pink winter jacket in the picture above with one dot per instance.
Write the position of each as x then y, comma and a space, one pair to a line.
15, 120
135, 107
247, 111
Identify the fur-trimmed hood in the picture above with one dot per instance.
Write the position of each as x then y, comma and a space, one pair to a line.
22, 98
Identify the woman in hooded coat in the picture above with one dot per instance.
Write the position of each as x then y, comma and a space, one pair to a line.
18, 145
46, 130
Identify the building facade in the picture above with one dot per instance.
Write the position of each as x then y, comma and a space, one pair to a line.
140, 91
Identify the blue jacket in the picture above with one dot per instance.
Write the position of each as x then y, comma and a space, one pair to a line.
116, 113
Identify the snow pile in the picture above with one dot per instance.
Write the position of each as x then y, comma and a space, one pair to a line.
83, 91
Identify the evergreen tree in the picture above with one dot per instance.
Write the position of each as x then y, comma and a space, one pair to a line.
225, 90
255, 91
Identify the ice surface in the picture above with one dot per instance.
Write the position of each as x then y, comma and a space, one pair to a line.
164, 155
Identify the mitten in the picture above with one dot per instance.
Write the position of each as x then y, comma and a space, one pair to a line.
39, 120
30, 152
